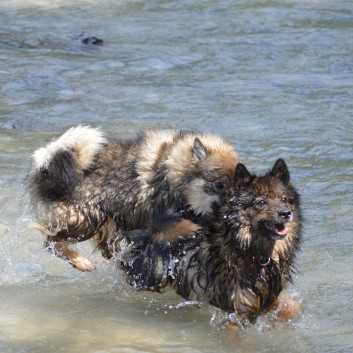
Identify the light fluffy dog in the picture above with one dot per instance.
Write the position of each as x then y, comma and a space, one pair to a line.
85, 184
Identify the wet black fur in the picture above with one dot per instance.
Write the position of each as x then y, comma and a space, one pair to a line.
58, 180
217, 265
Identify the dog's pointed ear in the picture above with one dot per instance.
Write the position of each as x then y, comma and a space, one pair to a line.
242, 176
199, 151
280, 171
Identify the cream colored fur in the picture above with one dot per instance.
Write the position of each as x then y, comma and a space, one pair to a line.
179, 159
84, 141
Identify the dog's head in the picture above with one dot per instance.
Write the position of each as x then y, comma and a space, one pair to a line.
204, 166
267, 208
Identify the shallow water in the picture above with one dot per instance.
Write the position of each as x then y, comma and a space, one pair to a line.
275, 78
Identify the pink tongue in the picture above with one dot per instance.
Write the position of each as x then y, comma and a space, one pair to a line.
280, 229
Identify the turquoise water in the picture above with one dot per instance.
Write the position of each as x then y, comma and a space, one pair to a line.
275, 78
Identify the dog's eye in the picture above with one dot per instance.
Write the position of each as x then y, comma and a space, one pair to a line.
261, 203
284, 199
220, 185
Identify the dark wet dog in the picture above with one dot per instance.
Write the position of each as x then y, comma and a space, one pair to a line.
241, 261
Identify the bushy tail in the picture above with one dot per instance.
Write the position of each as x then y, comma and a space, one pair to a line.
58, 167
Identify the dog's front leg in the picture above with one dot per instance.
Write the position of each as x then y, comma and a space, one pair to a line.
61, 249
168, 225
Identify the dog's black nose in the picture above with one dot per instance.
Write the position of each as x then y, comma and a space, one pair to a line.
284, 213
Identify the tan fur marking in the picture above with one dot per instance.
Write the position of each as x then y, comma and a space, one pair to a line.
105, 238
76, 260
183, 228
224, 157
221, 154
286, 308
245, 235
283, 245
246, 301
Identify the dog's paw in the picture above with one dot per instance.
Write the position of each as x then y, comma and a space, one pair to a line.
285, 308
82, 264
289, 309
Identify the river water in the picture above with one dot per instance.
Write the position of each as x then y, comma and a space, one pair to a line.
275, 78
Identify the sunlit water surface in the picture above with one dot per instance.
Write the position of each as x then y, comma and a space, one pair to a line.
275, 78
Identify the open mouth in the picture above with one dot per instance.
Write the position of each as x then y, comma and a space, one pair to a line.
277, 228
